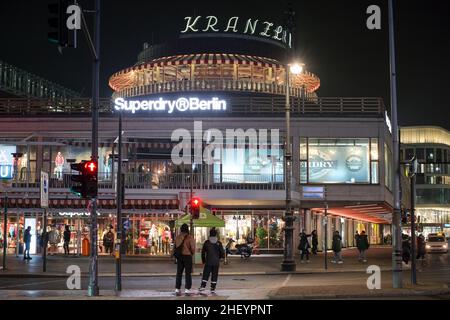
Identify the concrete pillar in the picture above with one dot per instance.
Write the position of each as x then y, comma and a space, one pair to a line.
308, 221
320, 231
297, 230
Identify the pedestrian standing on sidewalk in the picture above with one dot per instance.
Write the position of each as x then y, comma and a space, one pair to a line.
27, 241
362, 244
184, 249
406, 248
314, 241
212, 252
304, 246
337, 248
421, 247
66, 236
356, 238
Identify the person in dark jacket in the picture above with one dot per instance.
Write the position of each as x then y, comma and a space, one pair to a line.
421, 247
304, 246
337, 248
314, 241
406, 248
212, 252
27, 241
66, 236
362, 243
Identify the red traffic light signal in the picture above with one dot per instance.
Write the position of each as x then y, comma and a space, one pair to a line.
195, 208
86, 186
90, 167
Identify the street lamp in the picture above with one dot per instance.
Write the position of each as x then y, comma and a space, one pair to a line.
288, 263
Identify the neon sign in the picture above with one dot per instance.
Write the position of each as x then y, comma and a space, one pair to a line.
169, 106
251, 27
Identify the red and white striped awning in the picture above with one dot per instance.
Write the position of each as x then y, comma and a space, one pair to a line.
212, 58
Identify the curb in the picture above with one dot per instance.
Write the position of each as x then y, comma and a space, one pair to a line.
135, 275
369, 295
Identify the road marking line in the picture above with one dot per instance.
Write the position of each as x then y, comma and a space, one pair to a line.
287, 280
32, 283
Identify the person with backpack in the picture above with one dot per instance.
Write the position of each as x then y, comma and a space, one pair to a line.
337, 248
27, 241
66, 237
212, 252
314, 242
406, 248
304, 246
184, 249
421, 247
362, 243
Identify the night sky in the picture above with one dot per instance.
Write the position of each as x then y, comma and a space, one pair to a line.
331, 39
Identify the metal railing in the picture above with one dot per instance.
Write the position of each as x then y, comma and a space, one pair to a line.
214, 85
171, 181
253, 105
25, 84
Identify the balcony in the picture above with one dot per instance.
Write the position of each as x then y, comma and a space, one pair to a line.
174, 181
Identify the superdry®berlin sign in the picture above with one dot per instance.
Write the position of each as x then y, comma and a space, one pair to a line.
235, 25
169, 106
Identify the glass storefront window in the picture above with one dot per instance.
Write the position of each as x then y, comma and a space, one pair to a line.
389, 169
338, 161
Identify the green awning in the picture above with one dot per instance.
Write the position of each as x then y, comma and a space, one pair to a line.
206, 220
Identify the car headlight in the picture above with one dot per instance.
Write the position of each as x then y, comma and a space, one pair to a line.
428, 246
444, 246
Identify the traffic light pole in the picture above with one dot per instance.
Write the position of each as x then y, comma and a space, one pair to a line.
5, 231
93, 289
119, 196
397, 274
413, 230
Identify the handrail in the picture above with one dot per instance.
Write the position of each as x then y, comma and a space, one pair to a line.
172, 181
254, 105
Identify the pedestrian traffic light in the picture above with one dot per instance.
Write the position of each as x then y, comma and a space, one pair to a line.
58, 31
195, 208
86, 179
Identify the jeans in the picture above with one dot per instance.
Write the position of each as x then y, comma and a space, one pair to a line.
66, 247
26, 252
362, 255
207, 270
337, 256
306, 251
184, 264
314, 249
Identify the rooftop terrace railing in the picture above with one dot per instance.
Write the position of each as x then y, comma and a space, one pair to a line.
237, 105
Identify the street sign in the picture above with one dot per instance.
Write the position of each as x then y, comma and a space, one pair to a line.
44, 189
314, 192
6, 172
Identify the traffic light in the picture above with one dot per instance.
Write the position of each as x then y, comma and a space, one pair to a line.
58, 31
195, 208
86, 179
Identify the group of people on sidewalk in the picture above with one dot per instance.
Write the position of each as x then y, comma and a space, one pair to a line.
361, 240
212, 253
420, 248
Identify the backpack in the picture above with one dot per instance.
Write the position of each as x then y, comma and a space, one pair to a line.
178, 252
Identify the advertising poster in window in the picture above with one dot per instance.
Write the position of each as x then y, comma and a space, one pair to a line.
6, 161
250, 167
336, 163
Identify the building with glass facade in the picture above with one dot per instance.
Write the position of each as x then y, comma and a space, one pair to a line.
431, 146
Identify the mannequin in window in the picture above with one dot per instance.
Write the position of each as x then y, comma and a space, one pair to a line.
59, 164
23, 164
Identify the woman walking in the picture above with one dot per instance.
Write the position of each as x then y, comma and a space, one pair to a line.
314, 242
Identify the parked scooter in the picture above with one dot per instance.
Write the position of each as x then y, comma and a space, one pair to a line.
245, 250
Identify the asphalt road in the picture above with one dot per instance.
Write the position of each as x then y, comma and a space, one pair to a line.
435, 270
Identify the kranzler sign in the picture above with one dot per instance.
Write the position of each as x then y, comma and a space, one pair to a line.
237, 26
161, 105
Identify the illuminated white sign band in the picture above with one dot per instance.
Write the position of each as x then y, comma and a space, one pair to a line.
169, 106
76, 214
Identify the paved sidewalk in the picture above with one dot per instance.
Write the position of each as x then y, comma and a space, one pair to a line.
133, 267
351, 291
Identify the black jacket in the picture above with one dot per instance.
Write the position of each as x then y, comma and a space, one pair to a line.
212, 252
304, 243
315, 240
66, 236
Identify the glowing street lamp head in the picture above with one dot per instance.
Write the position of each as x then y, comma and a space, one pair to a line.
296, 68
